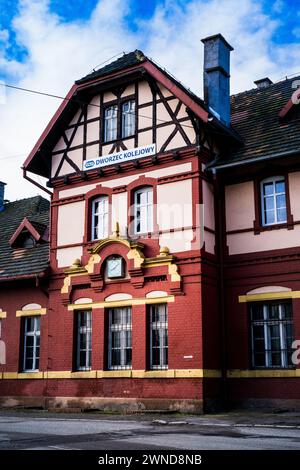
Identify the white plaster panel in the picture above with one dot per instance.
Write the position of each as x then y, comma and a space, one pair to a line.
66, 256
119, 211
268, 289
164, 90
170, 170
75, 118
93, 110
247, 242
156, 293
176, 142
129, 90
145, 117
294, 186
92, 131
145, 93
239, 203
70, 225
83, 300
209, 240
78, 137
108, 96
175, 205
66, 169
145, 138
56, 159
208, 203
162, 134
177, 241
61, 145
162, 114
92, 151
76, 157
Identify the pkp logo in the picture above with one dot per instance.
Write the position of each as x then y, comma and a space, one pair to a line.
89, 164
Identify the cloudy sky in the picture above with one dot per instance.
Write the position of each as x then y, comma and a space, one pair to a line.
46, 44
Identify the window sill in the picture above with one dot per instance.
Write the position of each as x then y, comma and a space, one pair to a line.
265, 228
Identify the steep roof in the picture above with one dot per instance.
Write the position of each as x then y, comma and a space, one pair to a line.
23, 262
255, 116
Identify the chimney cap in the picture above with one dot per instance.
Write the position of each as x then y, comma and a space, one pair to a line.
1, 182
217, 36
263, 82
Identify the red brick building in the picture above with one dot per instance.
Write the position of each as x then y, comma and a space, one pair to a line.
173, 244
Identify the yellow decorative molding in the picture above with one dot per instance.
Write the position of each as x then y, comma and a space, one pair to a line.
30, 313
2, 314
122, 303
115, 374
269, 296
64, 374
93, 259
267, 373
137, 255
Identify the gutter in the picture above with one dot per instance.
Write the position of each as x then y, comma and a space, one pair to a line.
214, 167
23, 276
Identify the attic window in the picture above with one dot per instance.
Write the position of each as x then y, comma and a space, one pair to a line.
28, 242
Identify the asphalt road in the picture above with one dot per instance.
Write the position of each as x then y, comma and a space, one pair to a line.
49, 431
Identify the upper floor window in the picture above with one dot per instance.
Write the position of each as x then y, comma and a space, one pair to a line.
100, 218
143, 210
273, 201
119, 121
271, 334
158, 336
128, 118
110, 123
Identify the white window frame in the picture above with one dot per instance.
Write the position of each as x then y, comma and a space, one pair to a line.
103, 214
123, 328
266, 322
143, 212
162, 328
110, 123
263, 196
128, 119
35, 333
87, 331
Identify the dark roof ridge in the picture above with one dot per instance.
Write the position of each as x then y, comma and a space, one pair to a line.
263, 90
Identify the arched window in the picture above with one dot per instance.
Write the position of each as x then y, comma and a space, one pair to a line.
100, 218
273, 201
143, 210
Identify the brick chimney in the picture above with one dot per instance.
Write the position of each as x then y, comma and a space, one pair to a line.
216, 74
2, 196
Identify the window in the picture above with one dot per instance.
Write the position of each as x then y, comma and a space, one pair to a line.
271, 334
110, 123
31, 358
273, 201
119, 338
119, 121
100, 218
128, 118
143, 210
158, 336
84, 340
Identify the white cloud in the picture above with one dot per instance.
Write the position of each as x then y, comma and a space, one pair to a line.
60, 52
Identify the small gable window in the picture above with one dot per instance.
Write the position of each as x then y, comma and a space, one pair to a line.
273, 201
28, 241
119, 121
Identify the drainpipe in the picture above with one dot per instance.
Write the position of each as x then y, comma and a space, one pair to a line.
220, 234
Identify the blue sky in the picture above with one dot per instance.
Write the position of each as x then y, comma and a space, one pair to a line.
47, 44
286, 12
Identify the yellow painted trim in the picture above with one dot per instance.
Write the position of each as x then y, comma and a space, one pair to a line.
115, 374
31, 375
276, 373
89, 374
50, 374
269, 296
122, 303
30, 313
3, 315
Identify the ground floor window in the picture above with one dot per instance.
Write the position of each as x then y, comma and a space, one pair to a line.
84, 340
271, 334
119, 338
158, 336
31, 355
